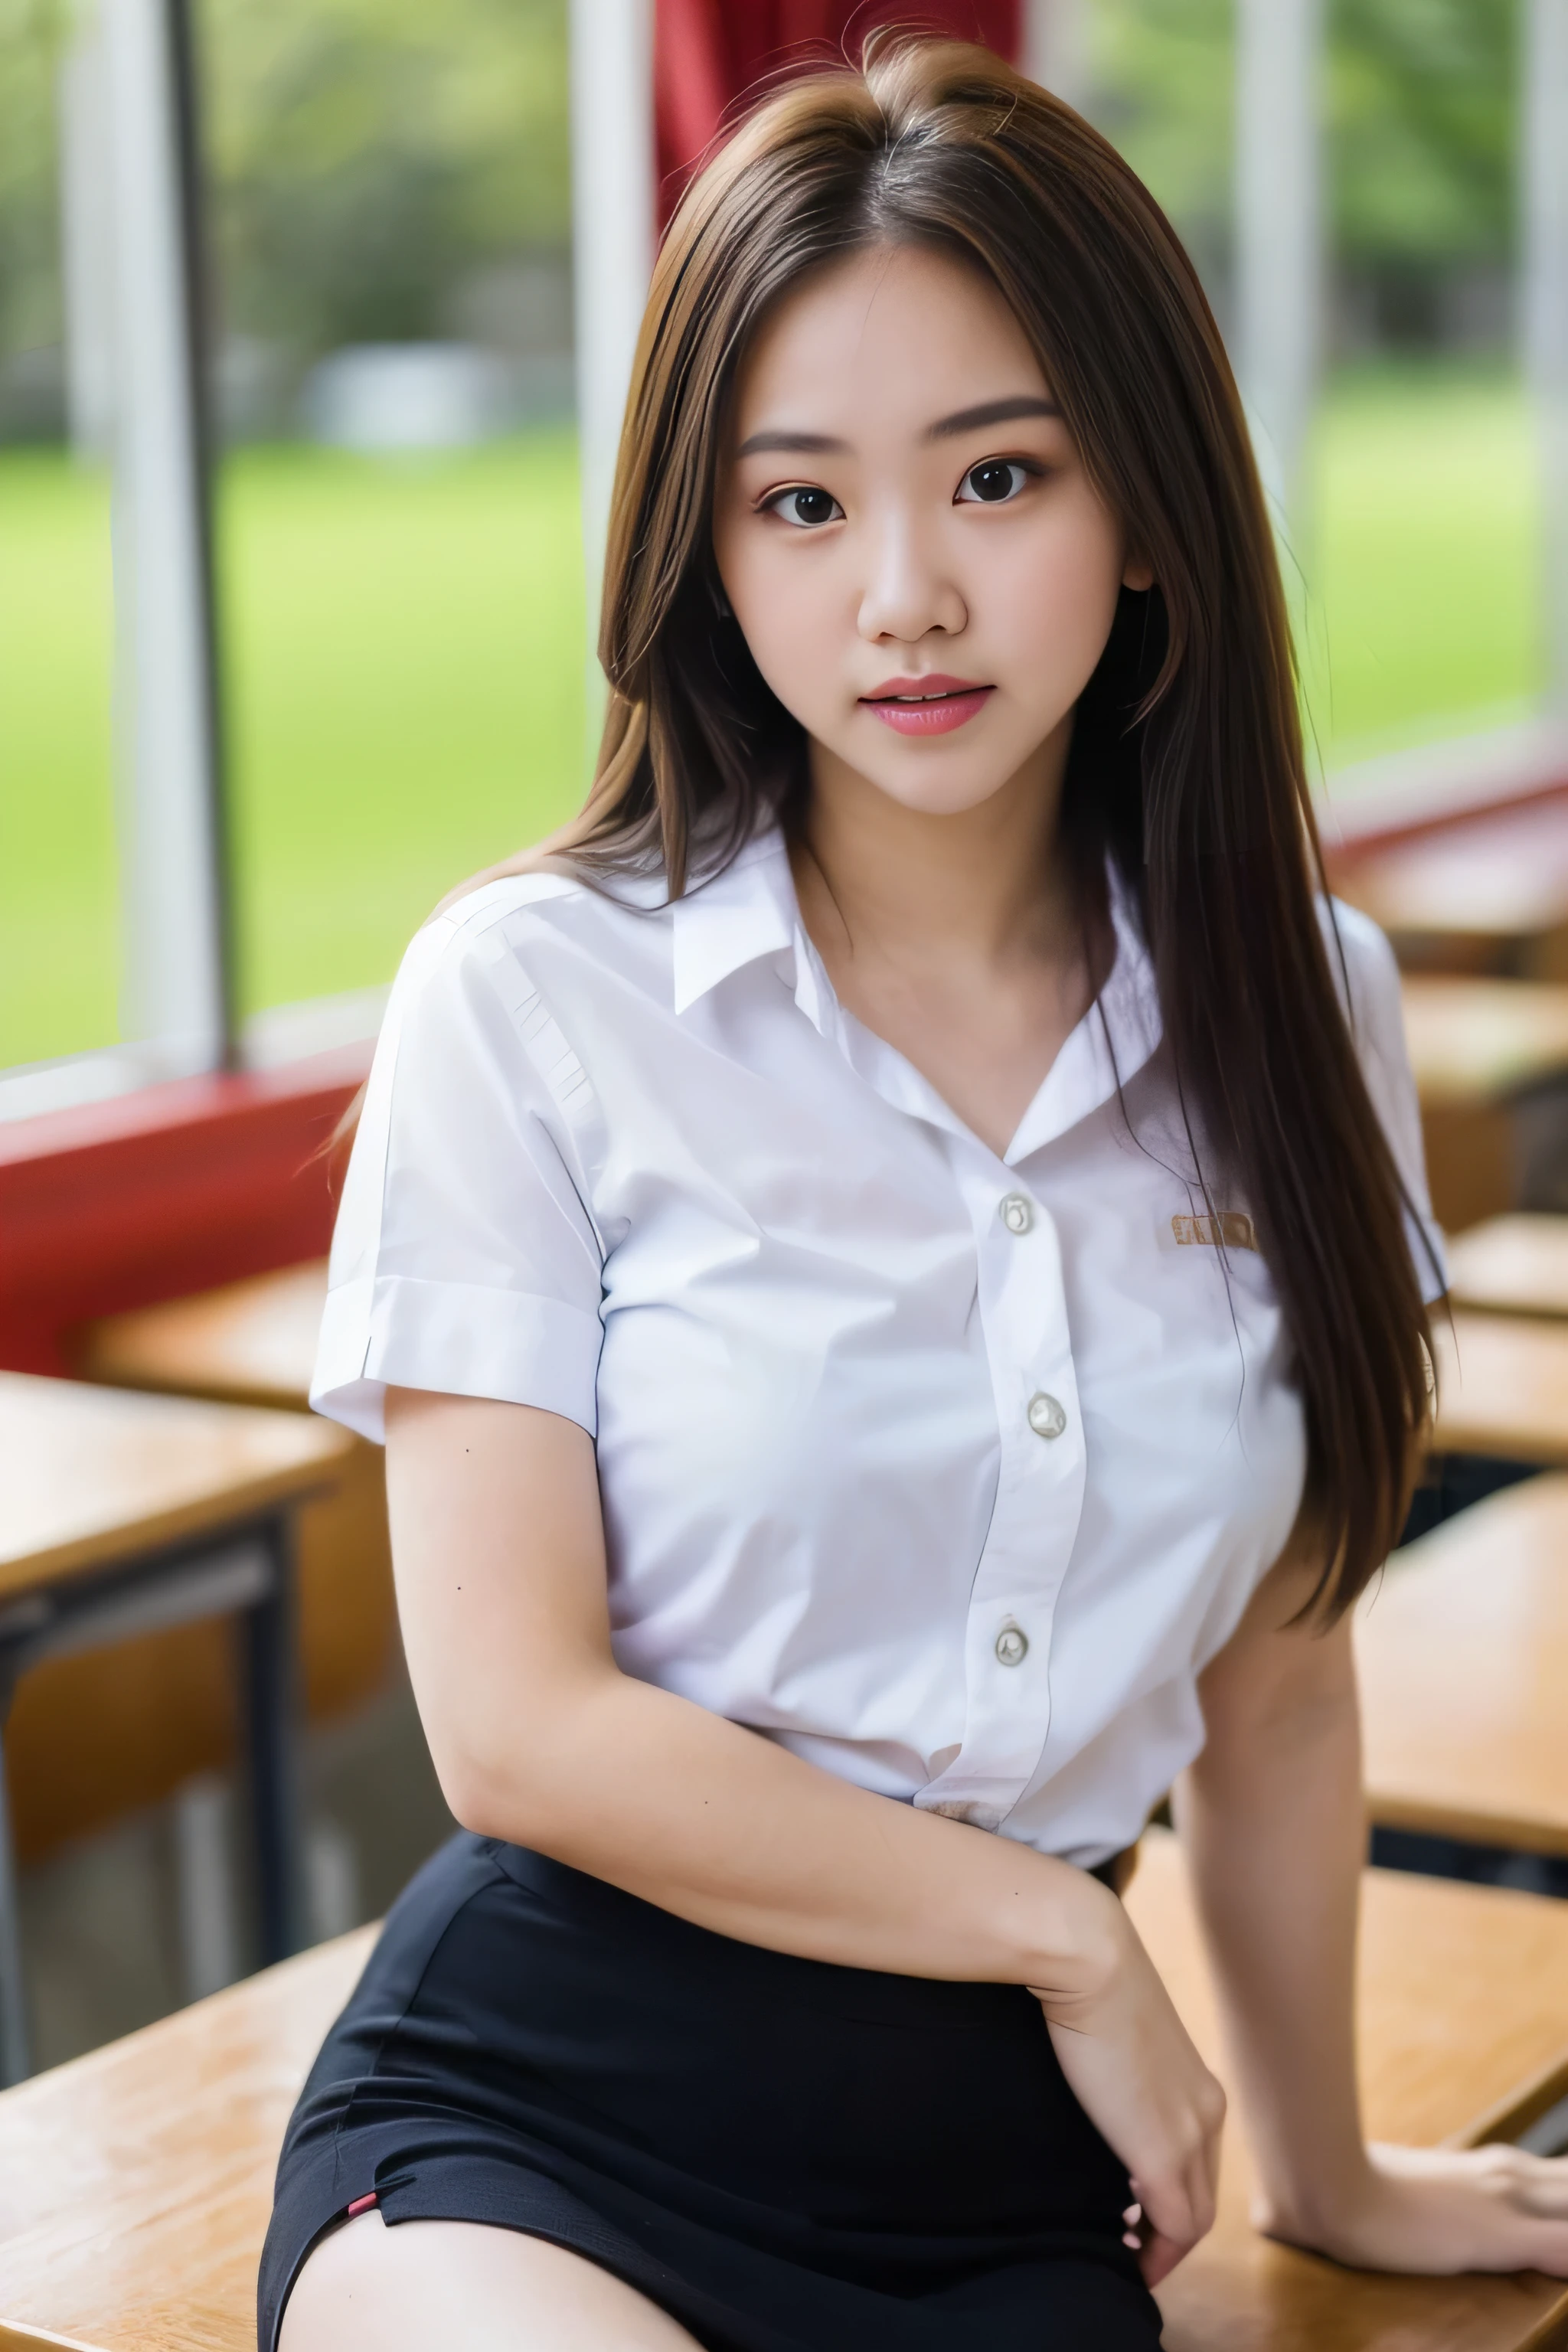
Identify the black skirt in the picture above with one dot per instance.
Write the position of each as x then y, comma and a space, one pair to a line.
787, 2155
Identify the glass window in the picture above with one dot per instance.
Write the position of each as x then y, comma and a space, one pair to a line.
1414, 560
399, 533
60, 955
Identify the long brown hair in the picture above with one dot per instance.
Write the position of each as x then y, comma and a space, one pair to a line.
1187, 765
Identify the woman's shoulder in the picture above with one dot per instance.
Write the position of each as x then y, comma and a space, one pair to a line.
546, 920
1365, 972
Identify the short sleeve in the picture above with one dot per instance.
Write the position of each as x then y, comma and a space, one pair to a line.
464, 1259
1361, 956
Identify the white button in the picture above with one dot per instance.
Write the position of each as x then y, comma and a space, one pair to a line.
1046, 1418
1015, 1213
1012, 1646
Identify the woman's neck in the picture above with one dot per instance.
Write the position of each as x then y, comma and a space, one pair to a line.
958, 939
983, 887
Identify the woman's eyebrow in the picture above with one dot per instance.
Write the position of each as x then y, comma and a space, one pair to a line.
781, 443
794, 445
990, 412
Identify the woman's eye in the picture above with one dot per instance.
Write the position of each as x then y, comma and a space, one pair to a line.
806, 510
997, 479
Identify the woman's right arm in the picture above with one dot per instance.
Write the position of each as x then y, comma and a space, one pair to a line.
539, 1738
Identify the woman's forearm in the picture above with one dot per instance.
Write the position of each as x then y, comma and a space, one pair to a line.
1273, 1821
733, 1831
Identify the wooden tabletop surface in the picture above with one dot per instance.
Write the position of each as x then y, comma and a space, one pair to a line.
1481, 1040
1516, 1265
1462, 1645
1502, 1386
253, 1342
1464, 1996
1507, 882
91, 1477
135, 2183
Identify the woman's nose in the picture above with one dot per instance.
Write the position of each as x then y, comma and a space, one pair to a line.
908, 592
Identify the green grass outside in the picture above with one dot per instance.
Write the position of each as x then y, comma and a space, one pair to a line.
404, 651
59, 939
1420, 562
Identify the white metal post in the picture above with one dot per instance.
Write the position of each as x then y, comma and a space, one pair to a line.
1279, 230
1544, 306
174, 989
86, 248
1056, 47
612, 230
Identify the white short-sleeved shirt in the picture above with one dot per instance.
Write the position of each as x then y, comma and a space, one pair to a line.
949, 1472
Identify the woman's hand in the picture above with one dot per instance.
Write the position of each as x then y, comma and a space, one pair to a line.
1129, 2061
1442, 2211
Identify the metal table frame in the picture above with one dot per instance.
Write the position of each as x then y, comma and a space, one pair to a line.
247, 1573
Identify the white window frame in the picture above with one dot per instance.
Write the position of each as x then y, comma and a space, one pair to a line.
131, 190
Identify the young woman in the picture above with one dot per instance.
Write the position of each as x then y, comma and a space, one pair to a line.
892, 1263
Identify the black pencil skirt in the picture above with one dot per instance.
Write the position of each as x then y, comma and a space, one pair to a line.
787, 2155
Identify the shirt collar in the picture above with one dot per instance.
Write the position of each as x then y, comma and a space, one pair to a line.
743, 914
749, 911
1118, 1033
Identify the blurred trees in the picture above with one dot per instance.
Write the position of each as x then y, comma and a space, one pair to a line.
368, 155
1422, 102
32, 32
372, 158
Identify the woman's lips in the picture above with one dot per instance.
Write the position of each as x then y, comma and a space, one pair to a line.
927, 706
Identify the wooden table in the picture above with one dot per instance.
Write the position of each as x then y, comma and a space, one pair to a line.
1502, 1387
1464, 2037
1462, 1647
135, 2183
121, 1515
92, 1736
1514, 1265
1486, 896
1490, 1058
251, 1342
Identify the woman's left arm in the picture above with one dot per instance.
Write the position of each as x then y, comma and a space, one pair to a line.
1272, 1817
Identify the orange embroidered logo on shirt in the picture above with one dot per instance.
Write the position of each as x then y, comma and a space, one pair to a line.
1232, 1227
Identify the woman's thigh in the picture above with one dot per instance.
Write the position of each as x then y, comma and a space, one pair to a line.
367, 2288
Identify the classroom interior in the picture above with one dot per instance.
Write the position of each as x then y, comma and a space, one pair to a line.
214, 1781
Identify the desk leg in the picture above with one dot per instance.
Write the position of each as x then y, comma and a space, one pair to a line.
15, 2063
268, 1638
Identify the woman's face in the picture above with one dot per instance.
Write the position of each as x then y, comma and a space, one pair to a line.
922, 572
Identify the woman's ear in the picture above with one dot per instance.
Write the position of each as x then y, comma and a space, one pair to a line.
1138, 575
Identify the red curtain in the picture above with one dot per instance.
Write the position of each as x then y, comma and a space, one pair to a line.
709, 53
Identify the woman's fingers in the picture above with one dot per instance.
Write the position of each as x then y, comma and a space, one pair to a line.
1538, 2184
1159, 2257
1439, 2210
1176, 2211
1133, 2066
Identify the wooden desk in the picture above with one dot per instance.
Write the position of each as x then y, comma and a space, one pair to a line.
1502, 1387
123, 1515
1491, 1058
1462, 1646
135, 2183
1487, 896
1515, 1264
91, 1737
251, 1342
1464, 2036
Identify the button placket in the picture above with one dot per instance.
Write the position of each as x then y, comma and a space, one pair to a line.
1039, 1494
